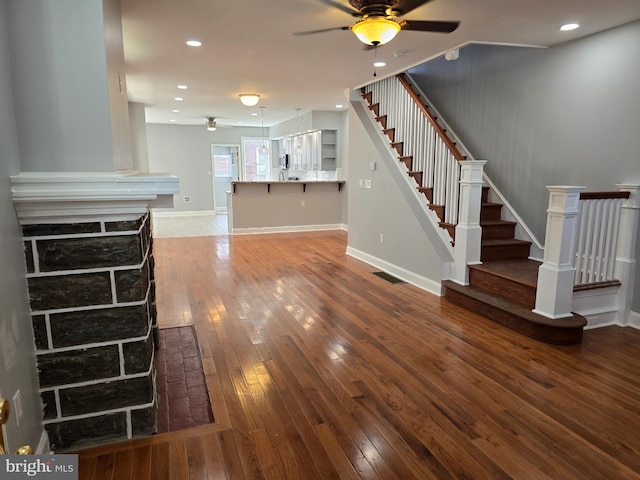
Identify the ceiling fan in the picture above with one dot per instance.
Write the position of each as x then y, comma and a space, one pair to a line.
211, 124
379, 22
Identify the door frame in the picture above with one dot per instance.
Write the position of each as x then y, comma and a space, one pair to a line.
213, 169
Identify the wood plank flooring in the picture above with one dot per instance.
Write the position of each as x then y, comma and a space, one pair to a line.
318, 369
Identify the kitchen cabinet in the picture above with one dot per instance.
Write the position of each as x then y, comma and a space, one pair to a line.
311, 151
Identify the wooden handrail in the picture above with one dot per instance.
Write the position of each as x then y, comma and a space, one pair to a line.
436, 126
603, 195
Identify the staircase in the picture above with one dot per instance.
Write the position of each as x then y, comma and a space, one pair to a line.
503, 287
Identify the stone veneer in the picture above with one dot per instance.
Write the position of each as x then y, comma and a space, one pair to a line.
92, 299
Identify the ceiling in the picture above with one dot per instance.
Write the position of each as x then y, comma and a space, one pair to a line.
249, 46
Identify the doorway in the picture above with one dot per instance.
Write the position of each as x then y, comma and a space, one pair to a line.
225, 160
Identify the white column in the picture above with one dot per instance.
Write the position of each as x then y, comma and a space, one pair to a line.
625, 254
468, 230
554, 293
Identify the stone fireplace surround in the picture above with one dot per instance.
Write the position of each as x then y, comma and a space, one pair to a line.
89, 257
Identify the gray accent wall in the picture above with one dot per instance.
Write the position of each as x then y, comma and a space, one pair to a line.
567, 115
17, 349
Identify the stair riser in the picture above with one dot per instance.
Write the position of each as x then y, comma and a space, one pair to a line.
490, 212
439, 209
485, 194
498, 231
495, 285
509, 252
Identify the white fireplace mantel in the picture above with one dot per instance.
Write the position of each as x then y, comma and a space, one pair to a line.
76, 196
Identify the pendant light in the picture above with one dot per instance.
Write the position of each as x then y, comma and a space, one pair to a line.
298, 148
264, 150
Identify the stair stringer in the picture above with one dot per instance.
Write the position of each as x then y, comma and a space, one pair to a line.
427, 219
523, 232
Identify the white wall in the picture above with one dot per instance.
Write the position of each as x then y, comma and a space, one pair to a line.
138, 129
568, 115
61, 85
385, 210
117, 86
185, 151
17, 349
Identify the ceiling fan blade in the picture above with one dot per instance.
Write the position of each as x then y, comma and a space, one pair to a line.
428, 26
321, 30
340, 6
405, 6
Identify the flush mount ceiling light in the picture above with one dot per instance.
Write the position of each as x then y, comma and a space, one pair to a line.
194, 43
375, 30
569, 26
249, 99
211, 124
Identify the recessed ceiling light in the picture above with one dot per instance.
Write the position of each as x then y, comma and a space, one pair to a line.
569, 26
178, 99
172, 120
379, 64
339, 106
182, 87
175, 110
194, 43
254, 114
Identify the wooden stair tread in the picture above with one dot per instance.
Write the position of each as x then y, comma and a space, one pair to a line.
524, 272
503, 242
489, 223
562, 331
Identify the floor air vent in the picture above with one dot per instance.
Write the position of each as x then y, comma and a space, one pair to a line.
388, 278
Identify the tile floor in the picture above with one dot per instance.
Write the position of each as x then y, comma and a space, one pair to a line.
184, 224
183, 399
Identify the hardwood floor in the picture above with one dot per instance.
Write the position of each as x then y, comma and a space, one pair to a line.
318, 369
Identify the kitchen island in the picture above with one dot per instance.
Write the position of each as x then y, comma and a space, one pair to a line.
294, 205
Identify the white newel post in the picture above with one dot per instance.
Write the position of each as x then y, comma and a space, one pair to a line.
625, 257
468, 230
554, 294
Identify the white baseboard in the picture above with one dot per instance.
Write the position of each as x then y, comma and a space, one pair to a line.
634, 320
173, 213
288, 229
399, 272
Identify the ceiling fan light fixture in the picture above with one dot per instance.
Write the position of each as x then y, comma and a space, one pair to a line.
375, 30
249, 99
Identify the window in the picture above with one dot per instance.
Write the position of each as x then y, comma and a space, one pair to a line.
256, 165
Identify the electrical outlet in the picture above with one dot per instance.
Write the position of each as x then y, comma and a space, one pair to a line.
302, 203
17, 407
367, 183
186, 199
382, 238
